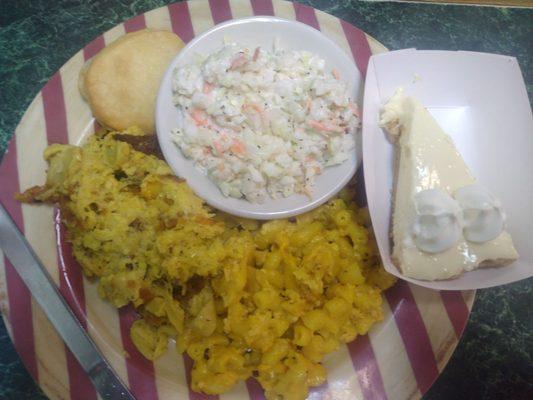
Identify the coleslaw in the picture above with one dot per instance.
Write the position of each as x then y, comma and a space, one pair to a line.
263, 123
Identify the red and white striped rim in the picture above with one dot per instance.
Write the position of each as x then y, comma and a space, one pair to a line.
400, 357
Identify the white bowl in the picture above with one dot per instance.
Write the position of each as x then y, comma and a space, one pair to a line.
253, 32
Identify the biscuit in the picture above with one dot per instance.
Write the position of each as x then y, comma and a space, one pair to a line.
121, 82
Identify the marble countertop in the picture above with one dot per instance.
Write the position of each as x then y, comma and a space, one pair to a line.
494, 358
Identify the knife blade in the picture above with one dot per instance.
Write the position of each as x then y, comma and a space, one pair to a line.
35, 277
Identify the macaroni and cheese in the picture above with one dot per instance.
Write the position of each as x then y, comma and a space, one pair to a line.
243, 298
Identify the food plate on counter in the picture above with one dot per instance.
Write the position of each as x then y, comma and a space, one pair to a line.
398, 358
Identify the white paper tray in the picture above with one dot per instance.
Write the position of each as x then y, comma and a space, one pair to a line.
481, 101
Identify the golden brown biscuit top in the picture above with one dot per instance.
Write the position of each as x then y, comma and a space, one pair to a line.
121, 82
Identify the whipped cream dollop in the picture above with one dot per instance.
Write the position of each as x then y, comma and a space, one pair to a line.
438, 224
483, 215
392, 113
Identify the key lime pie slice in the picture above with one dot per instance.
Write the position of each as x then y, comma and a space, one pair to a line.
443, 221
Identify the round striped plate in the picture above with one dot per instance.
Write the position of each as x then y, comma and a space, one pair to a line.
399, 359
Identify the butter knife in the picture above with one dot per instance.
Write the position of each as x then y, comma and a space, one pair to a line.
33, 273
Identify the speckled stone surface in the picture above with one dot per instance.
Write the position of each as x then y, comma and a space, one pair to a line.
494, 359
